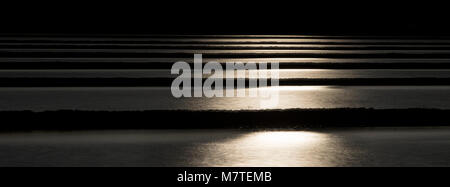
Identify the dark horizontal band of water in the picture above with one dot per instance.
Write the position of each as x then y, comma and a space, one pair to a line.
205, 39
141, 41
156, 65
180, 119
221, 55
106, 35
167, 82
249, 54
220, 46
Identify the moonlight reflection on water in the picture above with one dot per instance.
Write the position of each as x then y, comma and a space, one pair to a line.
274, 148
200, 148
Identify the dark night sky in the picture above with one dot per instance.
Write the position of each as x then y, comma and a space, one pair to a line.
226, 18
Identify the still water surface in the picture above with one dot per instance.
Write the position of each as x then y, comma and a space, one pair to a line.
343, 147
282, 73
160, 98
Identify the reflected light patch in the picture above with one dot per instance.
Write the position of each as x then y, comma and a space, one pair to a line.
269, 149
296, 88
282, 138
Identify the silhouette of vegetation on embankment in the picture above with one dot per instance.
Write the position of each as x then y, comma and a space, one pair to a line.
183, 119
